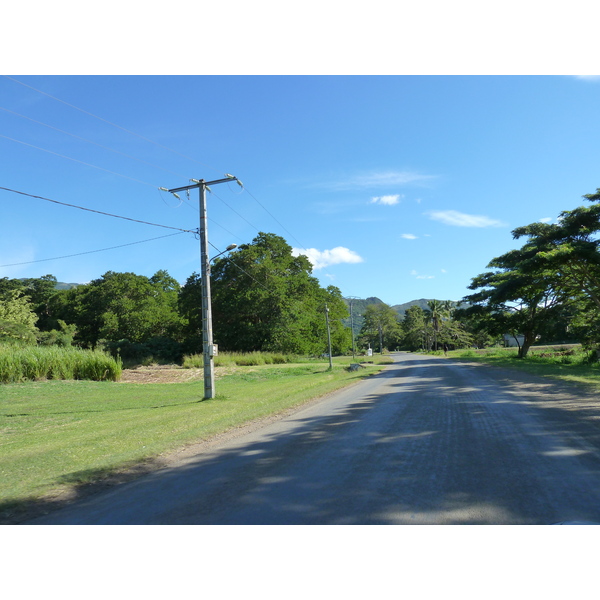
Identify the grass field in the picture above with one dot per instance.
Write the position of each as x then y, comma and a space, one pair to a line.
566, 363
57, 436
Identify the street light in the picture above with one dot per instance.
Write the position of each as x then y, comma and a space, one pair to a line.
230, 247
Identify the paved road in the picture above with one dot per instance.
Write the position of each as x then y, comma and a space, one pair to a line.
428, 441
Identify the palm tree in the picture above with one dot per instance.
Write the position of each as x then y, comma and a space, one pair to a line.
437, 310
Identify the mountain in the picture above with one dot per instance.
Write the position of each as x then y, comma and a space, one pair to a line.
402, 308
65, 286
60, 285
359, 306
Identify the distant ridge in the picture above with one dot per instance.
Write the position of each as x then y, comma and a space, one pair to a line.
360, 305
60, 285
402, 308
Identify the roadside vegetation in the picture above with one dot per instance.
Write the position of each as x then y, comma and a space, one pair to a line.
61, 437
53, 362
571, 363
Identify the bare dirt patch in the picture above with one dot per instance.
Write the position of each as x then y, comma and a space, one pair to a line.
169, 374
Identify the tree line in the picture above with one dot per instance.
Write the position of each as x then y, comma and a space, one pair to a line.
264, 299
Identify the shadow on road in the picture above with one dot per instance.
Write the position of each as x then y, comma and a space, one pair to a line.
434, 442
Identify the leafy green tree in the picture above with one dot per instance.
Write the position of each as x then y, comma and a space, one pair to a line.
517, 299
568, 248
415, 329
17, 318
381, 327
264, 298
62, 336
121, 306
40, 290
189, 304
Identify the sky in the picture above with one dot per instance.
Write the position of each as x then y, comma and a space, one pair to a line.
397, 186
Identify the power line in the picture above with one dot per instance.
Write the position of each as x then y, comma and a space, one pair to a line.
274, 218
235, 211
92, 251
301, 246
88, 141
147, 140
110, 123
77, 160
97, 211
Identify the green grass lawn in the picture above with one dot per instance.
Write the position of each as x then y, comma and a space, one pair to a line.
58, 435
549, 361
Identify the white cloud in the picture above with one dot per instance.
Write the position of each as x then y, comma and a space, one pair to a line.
389, 200
546, 220
416, 274
325, 258
409, 236
377, 179
458, 219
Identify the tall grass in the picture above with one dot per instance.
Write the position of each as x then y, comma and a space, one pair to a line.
241, 359
54, 362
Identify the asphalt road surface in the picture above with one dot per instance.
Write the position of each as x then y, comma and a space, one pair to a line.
429, 440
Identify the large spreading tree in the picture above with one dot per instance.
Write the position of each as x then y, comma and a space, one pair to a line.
265, 298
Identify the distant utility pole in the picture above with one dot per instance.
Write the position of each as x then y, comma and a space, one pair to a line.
328, 337
208, 348
352, 324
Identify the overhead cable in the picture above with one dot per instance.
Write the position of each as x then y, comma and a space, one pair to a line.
109, 122
274, 218
76, 160
88, 141
92, 251
98, 211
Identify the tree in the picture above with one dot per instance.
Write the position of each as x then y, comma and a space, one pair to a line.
438, 311
40, 290
17, 318
189, 303
121, 306
415, 329
381, 326
265, 298
569, 249
516, 298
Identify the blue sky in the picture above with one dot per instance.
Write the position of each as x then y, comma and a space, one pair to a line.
398, 186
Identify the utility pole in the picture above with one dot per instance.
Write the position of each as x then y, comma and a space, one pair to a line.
351, 298
208, 348
328, 337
